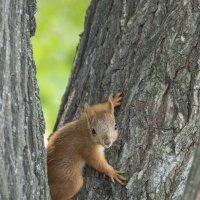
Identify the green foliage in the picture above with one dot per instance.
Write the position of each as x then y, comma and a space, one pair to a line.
59, 23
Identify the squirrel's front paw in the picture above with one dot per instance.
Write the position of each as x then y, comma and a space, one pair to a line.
116, 99
115, 175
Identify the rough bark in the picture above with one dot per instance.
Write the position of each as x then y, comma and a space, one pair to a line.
150, 51
22, 156
192, 190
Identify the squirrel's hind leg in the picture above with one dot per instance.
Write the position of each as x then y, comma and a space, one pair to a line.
67, 188
74, 185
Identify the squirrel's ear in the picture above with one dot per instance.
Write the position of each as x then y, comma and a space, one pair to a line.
110, 105
88, 111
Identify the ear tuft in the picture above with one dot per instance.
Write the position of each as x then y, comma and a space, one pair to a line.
88, 111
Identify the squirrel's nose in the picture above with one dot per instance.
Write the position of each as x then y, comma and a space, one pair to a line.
107, 142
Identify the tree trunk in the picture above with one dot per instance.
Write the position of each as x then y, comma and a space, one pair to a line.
192, 190
150, 51
22, 155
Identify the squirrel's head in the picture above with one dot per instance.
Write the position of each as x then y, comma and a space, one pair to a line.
101, 121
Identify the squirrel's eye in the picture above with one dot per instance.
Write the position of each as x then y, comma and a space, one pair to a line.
93, 131
115, 126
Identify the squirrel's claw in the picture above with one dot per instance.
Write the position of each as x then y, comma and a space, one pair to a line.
121, 171
119, 181
115, 176
112, 179
116, 99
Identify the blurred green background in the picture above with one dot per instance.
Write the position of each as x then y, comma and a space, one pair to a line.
59, 23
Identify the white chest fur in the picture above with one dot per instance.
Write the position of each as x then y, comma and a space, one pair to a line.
82, 165
101, 149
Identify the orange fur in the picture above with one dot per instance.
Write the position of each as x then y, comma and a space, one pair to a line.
77, 143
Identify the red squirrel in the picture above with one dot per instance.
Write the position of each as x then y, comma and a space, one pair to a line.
79, 142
